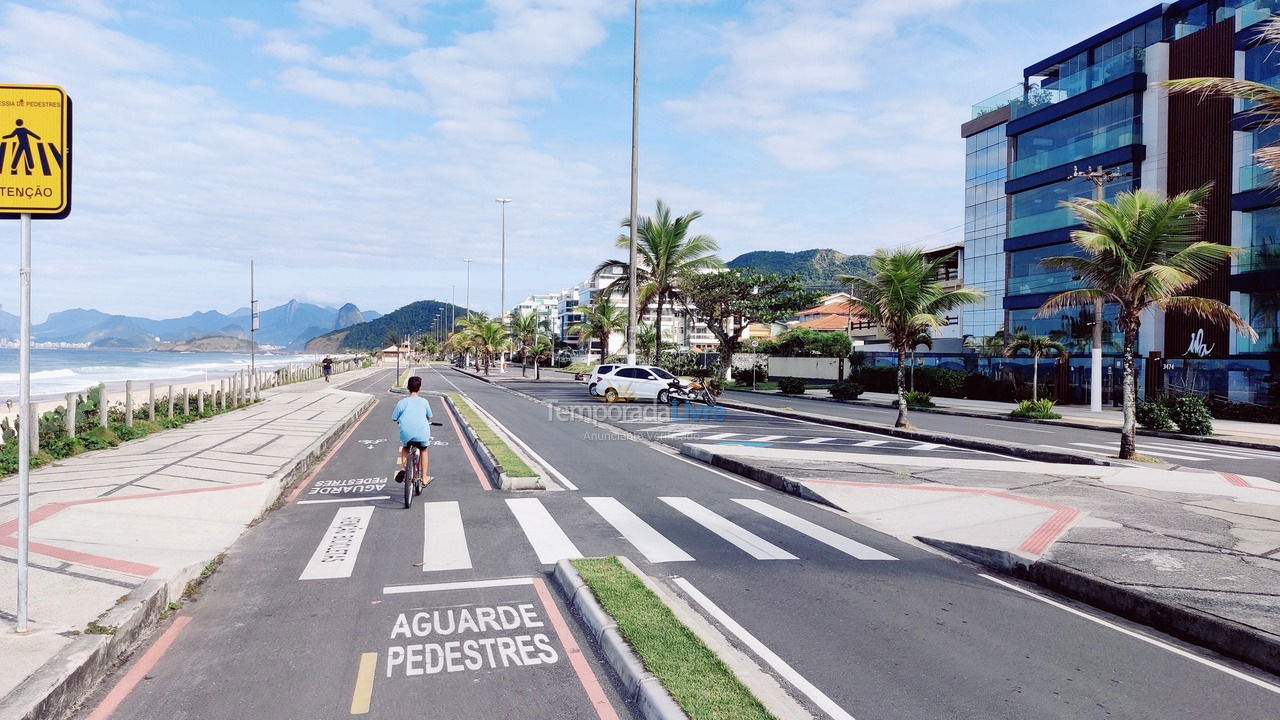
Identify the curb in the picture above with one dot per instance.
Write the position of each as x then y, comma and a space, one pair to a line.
758, 474
1225, 636
64, 680
498, 477
1024, 452
642, 688
1210, 440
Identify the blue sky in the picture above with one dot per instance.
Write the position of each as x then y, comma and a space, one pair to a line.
353, 148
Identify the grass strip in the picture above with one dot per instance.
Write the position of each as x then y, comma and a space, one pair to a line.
511, 463
697, 679
404, 377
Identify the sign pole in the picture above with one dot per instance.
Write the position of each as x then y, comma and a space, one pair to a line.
253, 345
25, 420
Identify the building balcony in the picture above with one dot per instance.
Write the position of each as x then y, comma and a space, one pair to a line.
1055, 219
1085, 147
1054, 91
1253, 13
997, 101
1253, 177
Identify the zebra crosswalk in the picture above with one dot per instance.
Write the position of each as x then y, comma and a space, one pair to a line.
767, 532
1168, 451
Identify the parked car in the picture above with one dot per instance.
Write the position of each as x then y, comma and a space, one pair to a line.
595, 375
636, 382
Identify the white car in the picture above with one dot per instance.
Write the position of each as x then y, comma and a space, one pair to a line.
636, 382
594, 377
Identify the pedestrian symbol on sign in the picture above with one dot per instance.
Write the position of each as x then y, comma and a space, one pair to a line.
22, 151
24, 148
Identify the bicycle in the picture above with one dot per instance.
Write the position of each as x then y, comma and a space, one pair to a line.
413, 471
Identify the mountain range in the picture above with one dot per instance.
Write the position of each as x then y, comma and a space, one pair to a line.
416, 317
289, 325
818, 269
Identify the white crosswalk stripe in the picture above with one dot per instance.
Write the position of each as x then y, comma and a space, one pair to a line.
544, 534
820, 440
721, 436
845, 545
652, 544
765, 438
745, 540
1209, 451
925, 446
444, 541
870, 443
335, 556
1143, 450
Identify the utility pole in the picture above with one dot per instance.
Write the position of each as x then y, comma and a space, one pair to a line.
635, 165
453, 307
468, 262
502, 292
1100, 179
253, 328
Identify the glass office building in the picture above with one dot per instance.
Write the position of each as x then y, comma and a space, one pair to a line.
1099, 104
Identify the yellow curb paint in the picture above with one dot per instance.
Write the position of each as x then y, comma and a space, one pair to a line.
363, 694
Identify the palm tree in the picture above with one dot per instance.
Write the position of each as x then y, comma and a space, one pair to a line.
902, 294
666, 252
1138, 251
485, 338
646, 336
924, 339
540, 349
523, 328
1266, 97
598, 322
1036, 346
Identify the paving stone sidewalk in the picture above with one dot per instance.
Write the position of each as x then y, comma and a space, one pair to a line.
154, 509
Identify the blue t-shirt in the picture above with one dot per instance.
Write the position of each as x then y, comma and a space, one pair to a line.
413, 414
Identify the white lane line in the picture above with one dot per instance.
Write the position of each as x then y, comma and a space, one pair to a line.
1143, 450
780, 666
559, 476
460, 585
1139, 636
845, 545
444, 541
548, 540
1025, 429
651, 543
335, 556
676, 455
342, 500
750, 543
720, 436
870, 443
820, 440
925, 446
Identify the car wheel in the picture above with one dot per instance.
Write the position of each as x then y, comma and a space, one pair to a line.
611, 395
664, 397
591, 390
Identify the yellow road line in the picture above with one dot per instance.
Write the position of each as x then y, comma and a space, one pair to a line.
363, 693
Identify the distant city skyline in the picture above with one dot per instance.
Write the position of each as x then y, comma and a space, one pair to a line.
332, 139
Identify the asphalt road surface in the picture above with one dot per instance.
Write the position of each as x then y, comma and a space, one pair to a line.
343, 602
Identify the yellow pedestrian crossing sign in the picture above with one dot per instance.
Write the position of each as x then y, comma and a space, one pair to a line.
35, 151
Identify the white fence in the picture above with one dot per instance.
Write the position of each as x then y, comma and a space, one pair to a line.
808, 368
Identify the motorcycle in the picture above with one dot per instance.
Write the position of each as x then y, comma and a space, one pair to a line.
695, 391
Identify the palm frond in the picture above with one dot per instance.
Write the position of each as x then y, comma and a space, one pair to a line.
1211, 310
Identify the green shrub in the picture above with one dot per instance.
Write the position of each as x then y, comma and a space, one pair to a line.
98, 438
845, 390
1154, 416
919, 399
803, 342
1190, 414
757, 373
1248, 412
1041, 409
791, 386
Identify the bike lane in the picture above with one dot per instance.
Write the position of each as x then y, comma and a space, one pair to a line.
343, 604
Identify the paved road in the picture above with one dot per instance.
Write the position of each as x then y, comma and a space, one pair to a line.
879, 628
1259, 463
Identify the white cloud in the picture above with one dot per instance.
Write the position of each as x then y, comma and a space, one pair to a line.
94, 9
382, 19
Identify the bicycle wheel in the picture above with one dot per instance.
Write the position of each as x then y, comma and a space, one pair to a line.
410, 477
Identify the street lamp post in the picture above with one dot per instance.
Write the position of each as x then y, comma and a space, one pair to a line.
635, 163
502, 292
468, 262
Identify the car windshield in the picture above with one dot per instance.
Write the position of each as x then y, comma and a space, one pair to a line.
662, 373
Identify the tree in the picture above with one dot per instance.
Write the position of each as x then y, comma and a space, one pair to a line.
524, 328
484, 337
539, 350
598, 322
1138, 251
1266, 97
728, 301
668, 255
902, 294
1037, 346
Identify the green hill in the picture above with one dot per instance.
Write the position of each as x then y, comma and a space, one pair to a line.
372, 335
817, 269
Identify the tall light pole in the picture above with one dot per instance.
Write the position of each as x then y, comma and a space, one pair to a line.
1100, 179
635, 164
453, 306
502, 293
253, 328
468, 262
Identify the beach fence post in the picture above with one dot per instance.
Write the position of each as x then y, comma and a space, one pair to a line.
71, 414
200, 401
170, 398
186, 402
128, 403
102, 405
151, 402
222, 393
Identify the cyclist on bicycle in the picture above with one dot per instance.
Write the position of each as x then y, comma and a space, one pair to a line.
413, 415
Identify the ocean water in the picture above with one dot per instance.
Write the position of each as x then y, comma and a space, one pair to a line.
56, 372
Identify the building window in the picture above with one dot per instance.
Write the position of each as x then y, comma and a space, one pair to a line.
1109, 126
1072, 327
1028, 277
1262, 310
1261, 240
1040, 209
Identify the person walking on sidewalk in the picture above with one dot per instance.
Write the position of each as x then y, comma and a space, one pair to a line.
413, 415
327, 365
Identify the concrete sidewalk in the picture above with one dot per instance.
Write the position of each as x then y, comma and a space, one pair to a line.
1196, 554
117, 534
1110, 418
